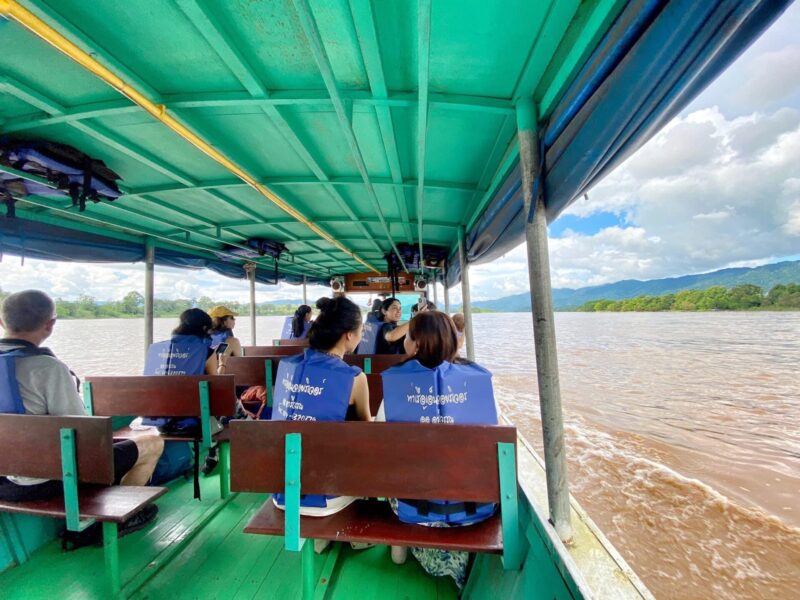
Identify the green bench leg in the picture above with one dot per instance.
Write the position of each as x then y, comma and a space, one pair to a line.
309, 579
225, 467
8, 526
111, 552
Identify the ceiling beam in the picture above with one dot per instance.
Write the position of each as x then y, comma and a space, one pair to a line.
364, 22
317, 48
223, 45
316, 99
423, 73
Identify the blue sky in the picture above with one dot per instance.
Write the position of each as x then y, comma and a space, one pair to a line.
718, 187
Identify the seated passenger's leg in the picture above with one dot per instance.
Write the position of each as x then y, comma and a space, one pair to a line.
148, 450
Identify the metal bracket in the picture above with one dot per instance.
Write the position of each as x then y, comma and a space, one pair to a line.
69, 474
509, 508
205, 413
294, 453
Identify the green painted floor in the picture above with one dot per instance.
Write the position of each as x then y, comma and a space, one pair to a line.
219, 562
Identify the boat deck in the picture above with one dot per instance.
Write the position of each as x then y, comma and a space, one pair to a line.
218, 561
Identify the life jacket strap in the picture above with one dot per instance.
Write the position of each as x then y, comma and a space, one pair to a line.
426, 507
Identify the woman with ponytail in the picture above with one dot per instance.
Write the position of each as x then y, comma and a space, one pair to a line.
319, 386
301, 322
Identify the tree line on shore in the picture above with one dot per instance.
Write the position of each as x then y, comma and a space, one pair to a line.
132, 306
740, 297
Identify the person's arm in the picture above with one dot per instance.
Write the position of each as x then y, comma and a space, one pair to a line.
360, 397
396, 333
234, 347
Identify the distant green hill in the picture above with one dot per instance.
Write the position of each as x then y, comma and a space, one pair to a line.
765, 277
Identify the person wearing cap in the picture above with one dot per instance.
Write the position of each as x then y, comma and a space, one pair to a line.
223, 320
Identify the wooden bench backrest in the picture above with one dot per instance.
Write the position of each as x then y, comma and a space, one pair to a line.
375, 383
30, 446
396, 460
380, 362
284, 343
250, 370
161, 396
268, 351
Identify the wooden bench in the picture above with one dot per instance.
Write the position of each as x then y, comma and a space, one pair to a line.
374, 460
284, 343
272, 350
75, 450
202, 396
259, 370
374, 363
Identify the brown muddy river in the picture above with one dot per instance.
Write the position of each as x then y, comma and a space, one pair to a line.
683, 432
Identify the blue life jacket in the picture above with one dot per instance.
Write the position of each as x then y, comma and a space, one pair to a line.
369, 341
220, 337
451, 393
179, 355
312, 386
286, 332
10, 398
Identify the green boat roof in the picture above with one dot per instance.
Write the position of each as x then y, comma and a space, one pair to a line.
341, 129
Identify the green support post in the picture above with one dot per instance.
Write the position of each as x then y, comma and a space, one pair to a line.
69, 475
294, 454
88, 402
309, 579
225, 469
368, 366
509, 509
111, 554
205, 414
268, 380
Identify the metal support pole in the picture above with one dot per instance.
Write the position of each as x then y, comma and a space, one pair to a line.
305, 292
149, 279
251, 276
544, 331
446, 289
465, 298
435, 299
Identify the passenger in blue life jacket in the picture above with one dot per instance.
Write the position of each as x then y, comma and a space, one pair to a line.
390, 337
436, 386
301, 322
319, 386
33, 381
187, 352
223, 320
372, 327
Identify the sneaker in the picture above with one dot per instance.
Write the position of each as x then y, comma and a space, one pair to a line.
72, 540
399, 555
209, 465
138, 520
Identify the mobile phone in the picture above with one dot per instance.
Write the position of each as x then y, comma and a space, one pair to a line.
221, 348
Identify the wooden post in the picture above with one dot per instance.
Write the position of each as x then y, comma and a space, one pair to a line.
149, 278
251, 276
465, 298
544, 332
305, 293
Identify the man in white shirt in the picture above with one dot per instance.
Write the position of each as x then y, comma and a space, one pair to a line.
47, 387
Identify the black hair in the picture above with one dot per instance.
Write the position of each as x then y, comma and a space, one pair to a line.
298, 322
386, 304
336, 317
193, 321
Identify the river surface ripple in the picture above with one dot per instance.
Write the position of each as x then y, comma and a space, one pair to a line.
683, 431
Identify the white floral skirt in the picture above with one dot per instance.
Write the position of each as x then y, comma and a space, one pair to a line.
440, 563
